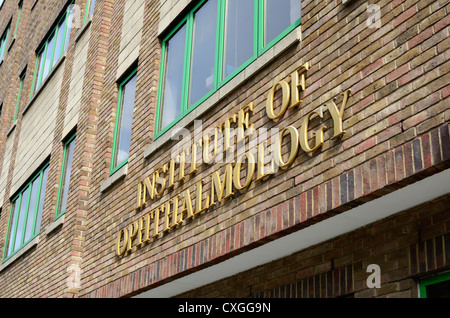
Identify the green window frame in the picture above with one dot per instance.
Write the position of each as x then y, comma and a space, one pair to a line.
3, 41
424, 284
25, 216
64, 180
124, 121
187, 24
22, 80
18, 18
89, 11
52, 50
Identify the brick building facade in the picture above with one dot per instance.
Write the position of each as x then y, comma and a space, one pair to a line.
219, 148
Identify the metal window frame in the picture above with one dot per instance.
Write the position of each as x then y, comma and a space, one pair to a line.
11, 233
259, 49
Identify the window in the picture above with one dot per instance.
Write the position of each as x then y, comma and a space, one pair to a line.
22, 79
26, 213
3, 41
52, 49
211, 45
124, 120
90, 6
436, 287
64, 181
18, 18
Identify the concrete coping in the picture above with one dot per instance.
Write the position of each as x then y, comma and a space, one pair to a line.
34, 4
292, 38
83, 29
117, 176
55, 225
11, 129
19, 254
12, 43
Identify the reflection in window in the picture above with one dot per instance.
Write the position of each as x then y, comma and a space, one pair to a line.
66, 171
124, 121
3, 41
203, 52
213, 43
173, 79
59, 41
26, 214
278, 16
239, 34
52, 50
92, 5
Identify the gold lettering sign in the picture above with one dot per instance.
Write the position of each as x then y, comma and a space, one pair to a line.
234, 176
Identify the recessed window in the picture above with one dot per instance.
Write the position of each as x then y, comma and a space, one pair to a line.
18, 18
26, 214
22, 80
124, 121
436, 287
64, 182
53, 48
212, 44
3, 41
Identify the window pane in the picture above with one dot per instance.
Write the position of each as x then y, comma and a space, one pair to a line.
39, 70
67, 171
48, 57
203, 51
92, 7
20, 224
3, 43
173, 78
59, 41
239, 34
439, 290
278, 16
126, 120
41, 201
13, 226
32, 209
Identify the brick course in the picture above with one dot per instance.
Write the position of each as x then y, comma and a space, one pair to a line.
397, 124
